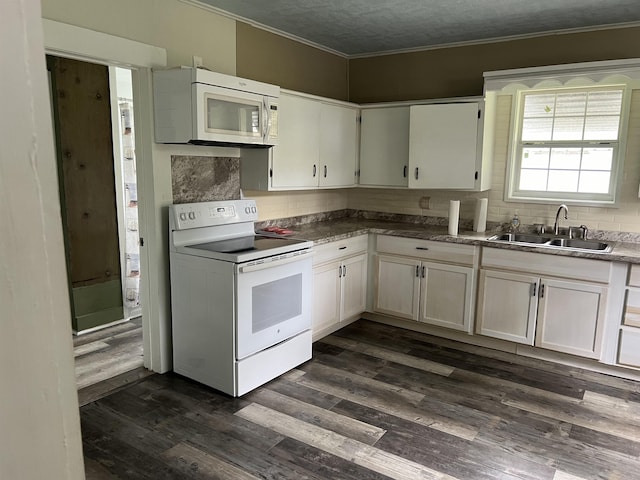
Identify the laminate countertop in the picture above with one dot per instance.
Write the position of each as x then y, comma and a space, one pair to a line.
339, 229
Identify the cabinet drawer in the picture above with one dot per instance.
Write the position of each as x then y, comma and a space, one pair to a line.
634, 276
555, 265
441, 251
340, 249
629, 353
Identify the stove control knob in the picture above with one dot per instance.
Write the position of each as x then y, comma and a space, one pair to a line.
183, 216
247, 210
254, 209
192, 215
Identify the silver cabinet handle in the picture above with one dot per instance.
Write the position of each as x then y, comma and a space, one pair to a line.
542, 291
340, 271
422, 248
417, 270
325, 171
424, 271
416, 173
404, 172
344, 270
534, 287
314, 170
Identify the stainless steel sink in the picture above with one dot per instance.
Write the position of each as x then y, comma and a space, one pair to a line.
520, 237
580, 244
533, 240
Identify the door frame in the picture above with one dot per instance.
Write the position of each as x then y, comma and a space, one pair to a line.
79, 43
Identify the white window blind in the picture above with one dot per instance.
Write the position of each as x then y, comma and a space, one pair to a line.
568, 141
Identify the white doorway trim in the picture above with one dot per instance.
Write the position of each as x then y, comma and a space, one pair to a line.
70, 41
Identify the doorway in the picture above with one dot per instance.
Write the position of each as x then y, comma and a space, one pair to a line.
92, 107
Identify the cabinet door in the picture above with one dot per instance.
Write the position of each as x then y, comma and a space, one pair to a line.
443, 146
354, 286
384, 147
397, 286
446, 295
326, 296
295, 158
338, 134
507, 305
570, 317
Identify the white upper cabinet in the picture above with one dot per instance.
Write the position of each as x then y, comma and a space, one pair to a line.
445, 147
296, 157
384, 147
317, 147
338, 152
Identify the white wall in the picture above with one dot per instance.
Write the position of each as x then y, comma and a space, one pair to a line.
39, 421
182, 29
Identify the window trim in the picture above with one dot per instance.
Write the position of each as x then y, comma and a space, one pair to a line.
512, 194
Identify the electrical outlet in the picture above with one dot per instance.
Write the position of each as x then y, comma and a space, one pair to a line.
424, 203
197, 62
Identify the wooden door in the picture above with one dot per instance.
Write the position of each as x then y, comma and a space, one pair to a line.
82, 119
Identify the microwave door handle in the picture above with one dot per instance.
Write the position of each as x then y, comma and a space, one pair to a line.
267, 119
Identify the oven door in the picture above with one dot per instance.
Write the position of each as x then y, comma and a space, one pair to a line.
273, 302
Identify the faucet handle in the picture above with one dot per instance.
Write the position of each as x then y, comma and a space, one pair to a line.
585, 231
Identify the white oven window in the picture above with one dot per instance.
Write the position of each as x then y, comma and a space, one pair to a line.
275, 302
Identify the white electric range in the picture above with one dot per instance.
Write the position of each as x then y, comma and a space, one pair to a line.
240, 302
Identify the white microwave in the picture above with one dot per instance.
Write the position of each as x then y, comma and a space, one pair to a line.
201, 107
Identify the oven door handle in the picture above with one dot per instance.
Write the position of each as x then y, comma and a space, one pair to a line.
275, 263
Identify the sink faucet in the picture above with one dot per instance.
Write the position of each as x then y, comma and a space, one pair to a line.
556, 227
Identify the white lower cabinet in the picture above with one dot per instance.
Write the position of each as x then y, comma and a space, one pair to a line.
397, 286
507, 306
339, 284
629, 332
434, 292
561, 314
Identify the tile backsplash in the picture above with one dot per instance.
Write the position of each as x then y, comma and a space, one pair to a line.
206, 178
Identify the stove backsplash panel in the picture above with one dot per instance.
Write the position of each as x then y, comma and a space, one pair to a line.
204, 179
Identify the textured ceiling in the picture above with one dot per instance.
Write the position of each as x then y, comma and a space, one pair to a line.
358, 27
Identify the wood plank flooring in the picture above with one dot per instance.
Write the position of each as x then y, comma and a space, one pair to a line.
108, 359
375, 402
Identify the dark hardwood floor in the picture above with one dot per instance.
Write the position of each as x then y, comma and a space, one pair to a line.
108, 359
375, 402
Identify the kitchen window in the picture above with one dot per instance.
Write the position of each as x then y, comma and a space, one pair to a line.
567, 145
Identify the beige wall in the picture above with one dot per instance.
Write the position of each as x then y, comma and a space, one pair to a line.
183, 30
457, 71
274, 59
291, 204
